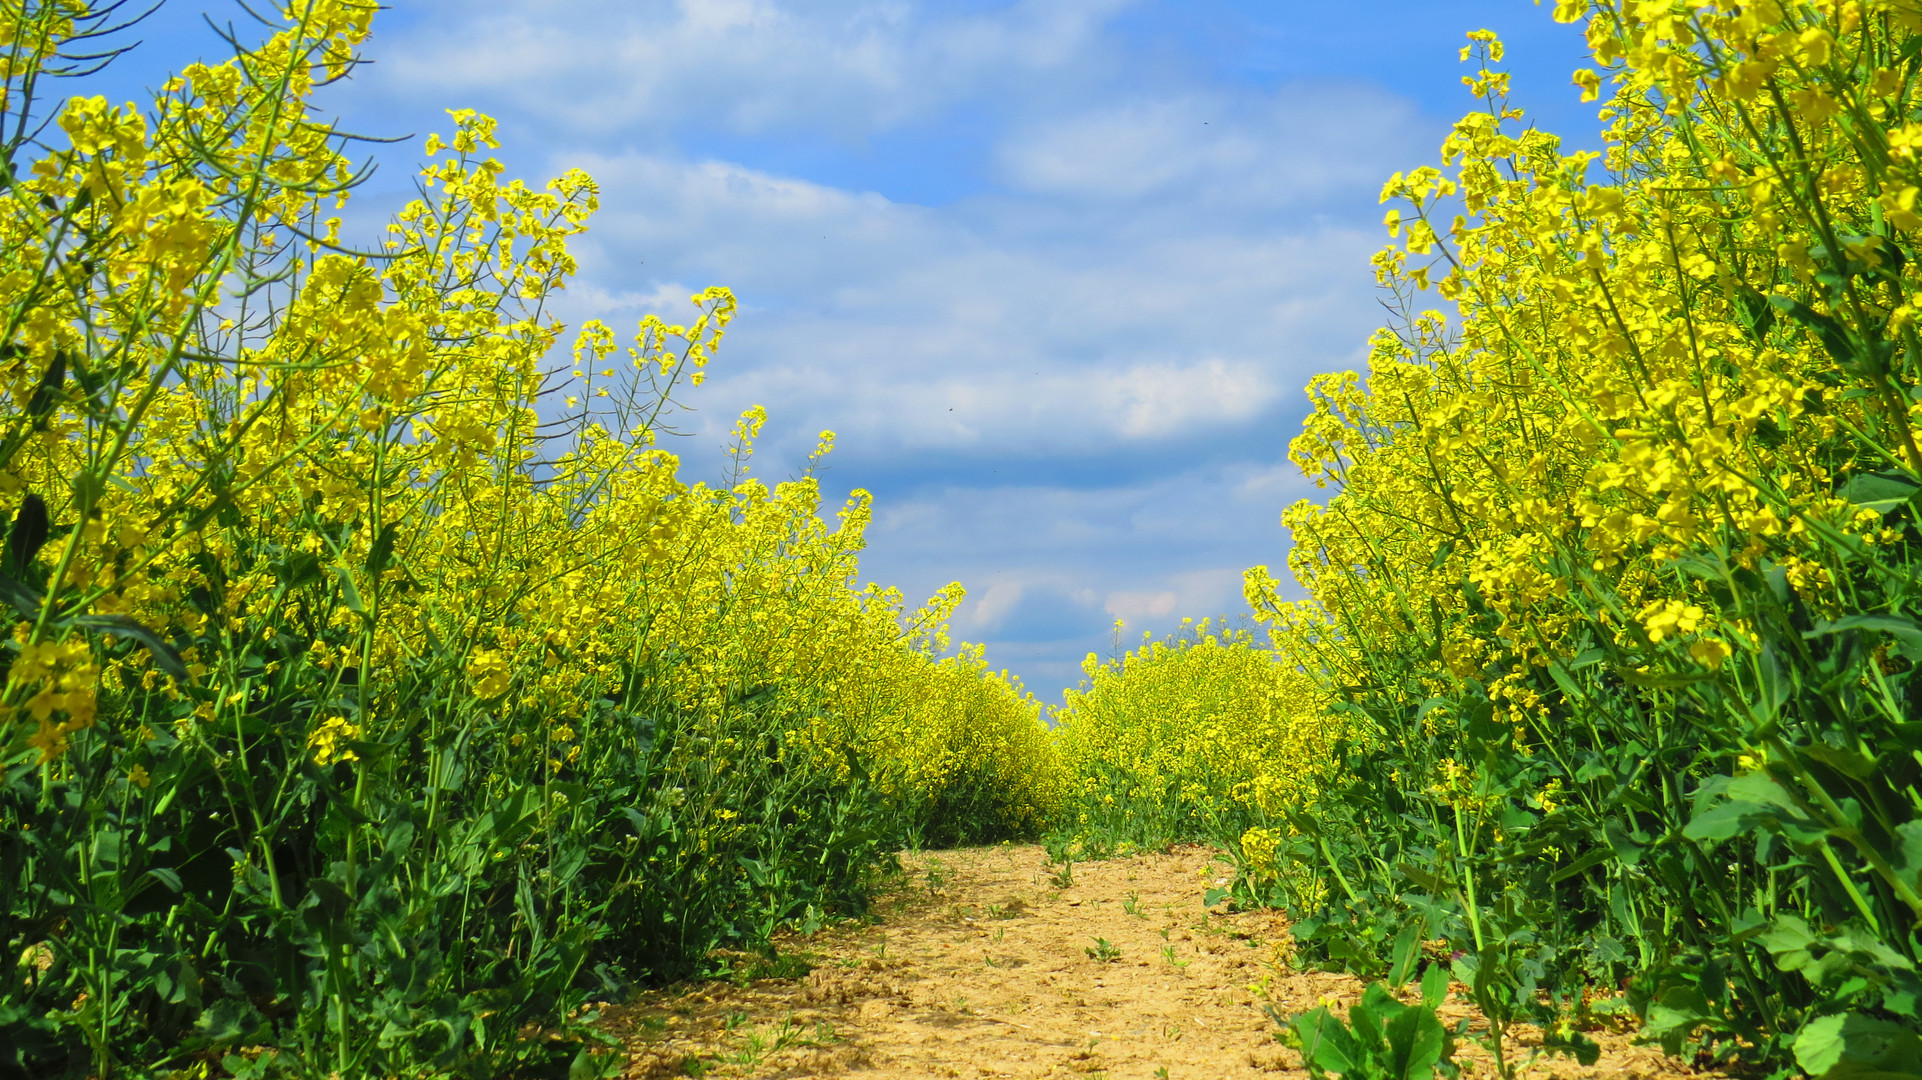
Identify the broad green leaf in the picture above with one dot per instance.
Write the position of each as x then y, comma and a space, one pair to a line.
1853, 1045
1434, 986
1759, 787
1674, 1016
381, 551
1415, 1041
1407, 954
22, 599
1881, 492
1584, 1050
1594, 857
349, 593
1423, 879
164, 656
1849, 762
1325, 1041
1906, 632
1834, 336
1725, 820
1788, 939
25, 538
1908, 850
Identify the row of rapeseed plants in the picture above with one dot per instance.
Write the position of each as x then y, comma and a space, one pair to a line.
1203, 734
1604, 696
369, 703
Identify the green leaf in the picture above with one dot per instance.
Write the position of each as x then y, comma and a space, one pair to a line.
1423, 879
1434, 986
1584, 1050
1626, 847
1367, 1016
1663, 680
1725, 820
1881, 492
165, 875
1907, 634
1851, 763
164, 656
1759, 787
1564, 683
1908, 850
330, 895
381, 552
1756, 314
1416, 1039
349, 594
227, 1020
1326, 1043
28, 535
1699, 566
1406, 955
1789, 940
1595, 857
1675, 1015
1852, 1045
1833, 335
1775, 685
23, 600
47, 394
299, 568
592, 1064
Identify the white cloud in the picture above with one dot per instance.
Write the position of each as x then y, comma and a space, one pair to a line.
1168, 400
1056, 562
667, 298
1298, 145
1141, 606
995, 605
850, 67
967, 328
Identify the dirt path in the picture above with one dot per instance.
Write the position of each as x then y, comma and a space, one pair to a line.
986, 964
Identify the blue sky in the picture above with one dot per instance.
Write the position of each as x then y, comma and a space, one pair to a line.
1054, 271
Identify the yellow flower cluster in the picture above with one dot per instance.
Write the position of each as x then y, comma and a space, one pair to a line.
1258, 847
63, 675
1182, 734
1640, 366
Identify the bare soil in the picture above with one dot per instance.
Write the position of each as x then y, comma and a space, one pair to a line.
986, 963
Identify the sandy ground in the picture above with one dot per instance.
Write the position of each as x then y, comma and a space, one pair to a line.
985, 963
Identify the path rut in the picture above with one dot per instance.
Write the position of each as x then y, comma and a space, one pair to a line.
984, 964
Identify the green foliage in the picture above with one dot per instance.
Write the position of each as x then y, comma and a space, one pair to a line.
1063, 878
1201, 734
359, 717
1382, 1038
482, 905
1849, 1045
1625, 628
